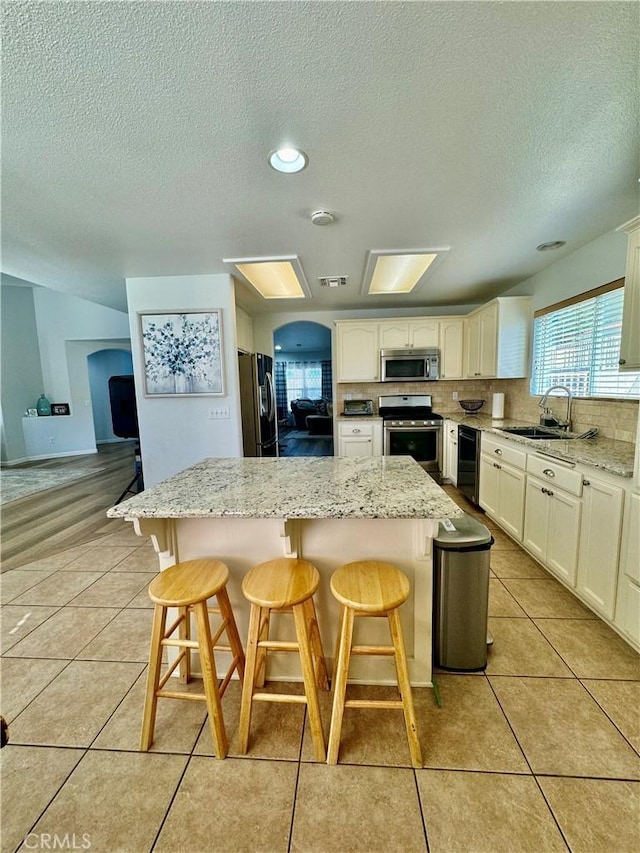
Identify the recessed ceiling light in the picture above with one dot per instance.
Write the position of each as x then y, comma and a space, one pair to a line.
389, 272
549, 247
288, 160
273, 278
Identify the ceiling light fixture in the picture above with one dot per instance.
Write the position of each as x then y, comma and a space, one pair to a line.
288, 160
273, 278
549, 247
389, 272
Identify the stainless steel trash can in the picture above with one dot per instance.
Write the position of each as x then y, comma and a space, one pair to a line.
461, 594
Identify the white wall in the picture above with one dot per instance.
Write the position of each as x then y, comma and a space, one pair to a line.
177, 431
21, 380
598, 262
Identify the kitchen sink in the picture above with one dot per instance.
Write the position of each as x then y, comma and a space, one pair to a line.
537, 432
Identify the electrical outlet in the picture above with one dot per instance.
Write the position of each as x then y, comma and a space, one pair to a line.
454, 395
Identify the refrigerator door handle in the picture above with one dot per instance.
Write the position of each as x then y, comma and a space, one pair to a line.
271, 396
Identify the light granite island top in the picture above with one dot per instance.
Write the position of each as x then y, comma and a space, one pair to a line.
328, 510
295, 487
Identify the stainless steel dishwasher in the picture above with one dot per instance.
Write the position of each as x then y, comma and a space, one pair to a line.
469, 462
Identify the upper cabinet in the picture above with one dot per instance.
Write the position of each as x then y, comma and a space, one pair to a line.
358, 351
397, 334
630, 345
497, 339
451, 348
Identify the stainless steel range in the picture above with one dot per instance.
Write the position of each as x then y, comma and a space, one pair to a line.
412, 429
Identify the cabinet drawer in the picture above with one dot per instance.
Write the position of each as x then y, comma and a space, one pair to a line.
504, 452
550, 471
361, 429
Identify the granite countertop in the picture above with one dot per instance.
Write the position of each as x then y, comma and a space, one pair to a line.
295, 487
616, 457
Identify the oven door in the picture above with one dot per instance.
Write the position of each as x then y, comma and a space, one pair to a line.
422, 443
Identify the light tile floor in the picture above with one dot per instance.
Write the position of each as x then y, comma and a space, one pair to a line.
538, 753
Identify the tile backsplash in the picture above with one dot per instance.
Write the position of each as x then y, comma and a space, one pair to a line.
614, 418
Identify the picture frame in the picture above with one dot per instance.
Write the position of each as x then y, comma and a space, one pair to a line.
60, 409
182, 353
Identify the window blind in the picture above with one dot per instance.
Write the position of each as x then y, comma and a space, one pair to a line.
578, 346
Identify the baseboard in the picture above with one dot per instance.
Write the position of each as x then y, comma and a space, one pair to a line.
112, 440
58, 455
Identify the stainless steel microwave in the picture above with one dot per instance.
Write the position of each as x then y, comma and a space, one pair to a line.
409, 365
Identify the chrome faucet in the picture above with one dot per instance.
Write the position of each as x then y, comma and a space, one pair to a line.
566, 424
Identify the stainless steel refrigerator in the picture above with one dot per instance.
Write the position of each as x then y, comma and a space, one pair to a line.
257, 405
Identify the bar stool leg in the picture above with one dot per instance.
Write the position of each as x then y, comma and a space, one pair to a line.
319, 662
184, 633
210, 678
309, 676
341, 671
153, 677
261, 655
232, 630
249, 678
404, 686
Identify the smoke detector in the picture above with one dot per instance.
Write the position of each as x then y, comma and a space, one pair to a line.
333, 281
322, 217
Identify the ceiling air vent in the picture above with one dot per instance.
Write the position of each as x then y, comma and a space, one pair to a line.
333, 280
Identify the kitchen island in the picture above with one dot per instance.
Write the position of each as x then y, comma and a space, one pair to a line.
329, 510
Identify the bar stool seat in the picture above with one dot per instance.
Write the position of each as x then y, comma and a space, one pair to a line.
283, 585
371, 588
187, 586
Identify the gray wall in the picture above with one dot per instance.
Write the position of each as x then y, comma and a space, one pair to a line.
21, 380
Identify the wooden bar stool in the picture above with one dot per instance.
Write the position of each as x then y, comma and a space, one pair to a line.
283, 585
370, 588
187, 586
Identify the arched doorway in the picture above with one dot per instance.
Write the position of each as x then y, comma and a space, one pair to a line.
304, 389
101, 365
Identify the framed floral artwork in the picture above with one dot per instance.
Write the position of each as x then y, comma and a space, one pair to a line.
182, 353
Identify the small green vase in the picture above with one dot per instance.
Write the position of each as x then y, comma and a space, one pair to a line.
43, 405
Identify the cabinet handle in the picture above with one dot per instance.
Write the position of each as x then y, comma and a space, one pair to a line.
622, 361
549, 472
356, 430
498, 451
586, 482
547, 491
495, 465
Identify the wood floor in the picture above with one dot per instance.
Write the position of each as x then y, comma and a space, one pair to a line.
313, 446
50, 521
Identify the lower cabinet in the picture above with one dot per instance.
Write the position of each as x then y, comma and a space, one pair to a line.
502, 494
600, 544
363, 438
627, 617
450, 452
552, 528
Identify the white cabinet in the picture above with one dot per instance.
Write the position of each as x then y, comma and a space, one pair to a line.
357, 351
451, 349
599, 544
244, 330
502, 483
552, 527
630, 344
450, 452
497, 339
360, 438
482, 342
397, 334
627, 614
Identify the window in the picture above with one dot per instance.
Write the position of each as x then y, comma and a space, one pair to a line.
304, 379
577, 344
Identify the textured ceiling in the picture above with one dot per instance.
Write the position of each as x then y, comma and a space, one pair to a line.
135, 139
